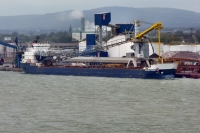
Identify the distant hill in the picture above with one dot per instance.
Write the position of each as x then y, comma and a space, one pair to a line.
171, 18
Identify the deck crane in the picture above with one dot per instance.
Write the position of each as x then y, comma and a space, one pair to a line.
157, 26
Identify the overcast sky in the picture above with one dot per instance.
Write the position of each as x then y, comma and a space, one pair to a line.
25, 7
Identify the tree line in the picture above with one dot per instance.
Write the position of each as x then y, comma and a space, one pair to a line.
59, 37
178, 37
65, 37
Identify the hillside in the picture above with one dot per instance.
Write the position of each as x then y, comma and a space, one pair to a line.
171, 18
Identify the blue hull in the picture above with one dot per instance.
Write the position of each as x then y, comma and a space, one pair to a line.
99, 72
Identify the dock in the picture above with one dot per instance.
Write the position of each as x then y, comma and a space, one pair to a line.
8, 66
11, 69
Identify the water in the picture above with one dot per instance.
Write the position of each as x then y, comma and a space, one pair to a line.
67, 104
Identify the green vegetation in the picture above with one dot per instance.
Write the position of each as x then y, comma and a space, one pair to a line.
167, 38
59, 37
64, 37
177, 37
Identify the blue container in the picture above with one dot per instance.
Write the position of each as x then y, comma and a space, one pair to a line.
125, 27
102, 19
90, 39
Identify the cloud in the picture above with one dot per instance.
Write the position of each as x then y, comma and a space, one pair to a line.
76, 14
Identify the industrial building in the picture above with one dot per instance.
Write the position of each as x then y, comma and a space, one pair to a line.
6, 52
80, 34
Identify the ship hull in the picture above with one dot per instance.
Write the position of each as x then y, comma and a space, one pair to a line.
100, 72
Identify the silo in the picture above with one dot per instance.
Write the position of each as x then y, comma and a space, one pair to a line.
1, 51
120, 50
155, 48
9, 51
198, 49
166, 48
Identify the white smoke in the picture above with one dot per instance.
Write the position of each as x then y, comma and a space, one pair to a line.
89, 25
76, 14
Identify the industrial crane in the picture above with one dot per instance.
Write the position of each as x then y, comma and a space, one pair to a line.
157, 26
18, 54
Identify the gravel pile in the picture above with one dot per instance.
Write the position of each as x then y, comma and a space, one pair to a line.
181, 55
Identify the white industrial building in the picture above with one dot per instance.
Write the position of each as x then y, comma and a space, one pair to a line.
191, 48
7, 51
121, 50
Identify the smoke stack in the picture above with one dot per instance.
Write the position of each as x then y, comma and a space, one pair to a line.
83, 24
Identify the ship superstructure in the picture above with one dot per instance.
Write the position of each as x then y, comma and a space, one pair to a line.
34, 53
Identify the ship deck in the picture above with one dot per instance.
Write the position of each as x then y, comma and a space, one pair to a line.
101, 59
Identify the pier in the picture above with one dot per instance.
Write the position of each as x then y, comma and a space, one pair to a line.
9, 66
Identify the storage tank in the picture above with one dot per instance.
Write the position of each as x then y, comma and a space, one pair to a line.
120, 50
186, 48
197, 48
166, 48
191, 48
2, 51
174, 48
155, 47
9, 51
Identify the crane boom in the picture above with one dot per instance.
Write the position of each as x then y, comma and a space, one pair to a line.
156, 26
8, 45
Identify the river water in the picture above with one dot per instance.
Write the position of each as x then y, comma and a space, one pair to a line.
68, 104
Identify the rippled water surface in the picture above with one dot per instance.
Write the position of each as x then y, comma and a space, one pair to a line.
67, 104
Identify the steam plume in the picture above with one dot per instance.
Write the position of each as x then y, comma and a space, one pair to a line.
76, 14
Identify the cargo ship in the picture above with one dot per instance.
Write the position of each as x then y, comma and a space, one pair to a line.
94, 59
94, 66
155, 72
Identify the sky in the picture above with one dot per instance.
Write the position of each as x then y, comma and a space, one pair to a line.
27, 7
